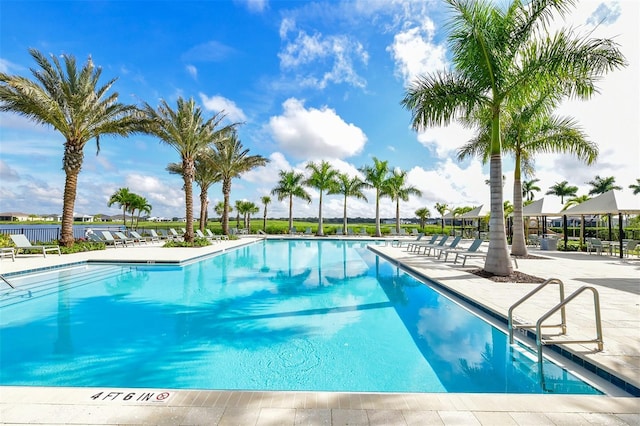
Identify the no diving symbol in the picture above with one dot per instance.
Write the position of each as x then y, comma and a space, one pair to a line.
162, 396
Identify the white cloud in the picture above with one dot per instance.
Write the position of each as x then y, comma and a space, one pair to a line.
218, 103
315, 133
210, 51
445, 141
192, 70
7, 174
254, 6
307, 53
415, 53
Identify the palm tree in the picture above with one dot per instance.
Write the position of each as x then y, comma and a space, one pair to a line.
290, 185
233, 160
185, 130
249, 209
422, 214
141, 205
500, 54
601, 185
529, 187
349, 187
124, 198
441, 208
375, 176
71, 101
322, 178
206, 174
266, 200
635, 187
398, 189
528, 130
562, 189
240, 210
219, 209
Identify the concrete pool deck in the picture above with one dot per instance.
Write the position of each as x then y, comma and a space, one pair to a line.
616, 280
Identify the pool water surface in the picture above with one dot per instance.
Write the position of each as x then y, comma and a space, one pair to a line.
325, 315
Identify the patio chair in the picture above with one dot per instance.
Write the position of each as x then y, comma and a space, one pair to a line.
21, 242
339, 231
293, 231
350, 232
418, 240
475, 245
214, 236
139, 238
108, 239
438, 249
308, 231
153, 235
427, 246
8, 252
594, 244
127, 240
173, 234
627, 247
363, 232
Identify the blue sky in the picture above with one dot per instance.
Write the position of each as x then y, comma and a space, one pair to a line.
311, 81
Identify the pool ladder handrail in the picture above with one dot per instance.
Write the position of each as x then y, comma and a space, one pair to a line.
514, 326
6, 281
540, 341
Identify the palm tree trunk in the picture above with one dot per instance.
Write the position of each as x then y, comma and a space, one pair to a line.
226, 190
344, 225
320, 230
498, 261
203, 208
290, 212
70, 187
188, 196
378, 233
519, 242
398, 215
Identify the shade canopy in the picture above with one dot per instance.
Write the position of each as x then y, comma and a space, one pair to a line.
547, 206
478, 212
611, 202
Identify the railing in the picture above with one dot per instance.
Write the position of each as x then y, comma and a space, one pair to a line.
513, 326
6, 281
540, 341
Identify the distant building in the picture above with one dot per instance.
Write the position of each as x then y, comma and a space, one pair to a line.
14, 216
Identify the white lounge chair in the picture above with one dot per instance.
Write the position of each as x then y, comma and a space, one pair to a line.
139, 238
108, 239
127, 240
8, 252
21, 242
215, 236
438, 249
153, 235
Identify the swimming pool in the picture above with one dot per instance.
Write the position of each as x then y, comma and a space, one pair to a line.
322, 315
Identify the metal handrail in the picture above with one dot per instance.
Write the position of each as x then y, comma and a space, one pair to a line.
563, 323
596, 304
6, 281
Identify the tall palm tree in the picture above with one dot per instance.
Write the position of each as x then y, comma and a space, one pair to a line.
139, 204
349, 187
529, 188
219, 209
375, 176
240, 210
528, 130
322, 178
289, 186
635, 187
266, 200
501, 54
124, 198
562, 189
601, 185
422, 214
189, 134
398, 189
441, 208
206, 174
232, 160
71, 101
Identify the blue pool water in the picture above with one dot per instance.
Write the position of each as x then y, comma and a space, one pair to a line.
277, 315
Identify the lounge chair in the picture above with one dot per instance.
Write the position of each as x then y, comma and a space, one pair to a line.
627, 247
139, 238
199, 234
363, 232
438, 249
214, 236
419, 240
108, 239
411, 242
594, 244
475, 245
23, 243
416, 247
350, 232
153, 235
8, 252
173, 234
339, 231
127, 240
293, 230
308, 231
479, 254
